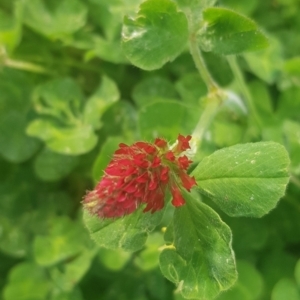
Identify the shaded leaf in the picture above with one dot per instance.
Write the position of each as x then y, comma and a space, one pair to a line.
69, 141
24, 287
155, 119
106, 94
55, 19
51, 166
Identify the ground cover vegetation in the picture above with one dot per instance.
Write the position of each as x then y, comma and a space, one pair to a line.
149, 149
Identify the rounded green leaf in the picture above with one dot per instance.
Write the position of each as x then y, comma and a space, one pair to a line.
285, 289
105, 95
228, 32
191, 88
200, 260
67, 277
114, 260
157, 35
27, 281
64, 240
10, 28
167, 119
64, 140
15, 145
51, 166
153, 88
246, 179
60, 19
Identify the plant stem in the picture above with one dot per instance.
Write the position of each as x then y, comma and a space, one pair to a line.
213, 99
26, 66
200, 65
213, 102
244, 89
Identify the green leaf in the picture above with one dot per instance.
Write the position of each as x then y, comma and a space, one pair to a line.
245, 179
289, 104
114, 260
200, 260
157, 35
249, 285
51, 166
120, 119
245, 7
68, 141
129, 232
15, 88
56, 19
219, 68
110, 51
106, 94
147, 259
27, 281
65, 239
262, 101
266, 64
191, 88
156, 120
11, 27
193, 9
285, 289
66, 277
292, 66
62, 125
227, 32
276, 264
226, 133
292, 134
297, 272
15, 145
152, 89
105, 155
59, 98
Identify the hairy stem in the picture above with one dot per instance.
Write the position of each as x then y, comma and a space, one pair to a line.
244, 89
200, 65
213, 102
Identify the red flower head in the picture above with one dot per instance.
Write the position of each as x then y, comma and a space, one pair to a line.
141, 174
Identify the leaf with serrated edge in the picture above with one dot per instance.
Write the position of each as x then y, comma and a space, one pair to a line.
246, 179
200, 261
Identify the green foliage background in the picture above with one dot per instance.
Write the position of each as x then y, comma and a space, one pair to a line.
69, 96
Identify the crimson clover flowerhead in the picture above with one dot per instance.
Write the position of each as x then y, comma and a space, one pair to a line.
141, 174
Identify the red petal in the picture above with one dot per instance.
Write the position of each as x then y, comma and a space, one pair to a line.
187, 181
160, 143
177, 197
164, 175
156, 162
184, 162
183, 143
170, 156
